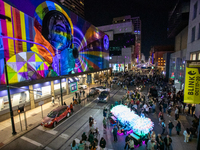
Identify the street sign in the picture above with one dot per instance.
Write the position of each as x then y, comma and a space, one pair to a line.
41, 103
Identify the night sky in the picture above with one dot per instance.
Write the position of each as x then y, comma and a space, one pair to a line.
153, 14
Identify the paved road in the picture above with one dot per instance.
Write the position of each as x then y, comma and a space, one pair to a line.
64, 133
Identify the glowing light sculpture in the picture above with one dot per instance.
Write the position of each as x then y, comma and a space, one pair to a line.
139, 125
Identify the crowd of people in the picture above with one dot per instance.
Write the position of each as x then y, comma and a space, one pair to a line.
166, 101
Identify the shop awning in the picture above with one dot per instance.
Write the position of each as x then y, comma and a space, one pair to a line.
73, 79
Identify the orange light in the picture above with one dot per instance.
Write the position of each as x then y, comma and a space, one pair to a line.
18, 111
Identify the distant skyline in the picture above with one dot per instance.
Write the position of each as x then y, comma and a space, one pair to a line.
153, 15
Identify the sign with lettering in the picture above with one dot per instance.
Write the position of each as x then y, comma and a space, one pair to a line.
73, 87
192, 82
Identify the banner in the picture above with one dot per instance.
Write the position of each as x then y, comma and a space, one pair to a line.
192, 83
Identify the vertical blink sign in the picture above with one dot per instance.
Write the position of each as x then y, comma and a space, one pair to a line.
192, 82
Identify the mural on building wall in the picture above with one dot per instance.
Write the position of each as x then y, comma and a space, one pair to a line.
48, 42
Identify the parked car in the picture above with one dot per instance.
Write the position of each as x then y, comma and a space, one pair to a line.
82, 86
56, 116
103, 96
102, 88
93, 91
115, 79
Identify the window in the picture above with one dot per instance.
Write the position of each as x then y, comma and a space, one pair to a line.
195, 11
158, 64
193, 56
199, 32
198, 56
164, 63
158, 58
190, 56
193, 34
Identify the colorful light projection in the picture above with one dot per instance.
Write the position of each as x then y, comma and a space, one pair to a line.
139, 125
66, 43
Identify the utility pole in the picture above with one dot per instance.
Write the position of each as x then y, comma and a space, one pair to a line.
9, 100
61, 97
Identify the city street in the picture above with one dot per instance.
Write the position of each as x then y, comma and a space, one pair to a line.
72, 128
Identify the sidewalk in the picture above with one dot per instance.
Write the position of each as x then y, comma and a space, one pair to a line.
33, 117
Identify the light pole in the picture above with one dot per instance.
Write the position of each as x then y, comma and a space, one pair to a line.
61, 97
9, 99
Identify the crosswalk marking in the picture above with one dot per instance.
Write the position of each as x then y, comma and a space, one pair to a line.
64, 136
31, 141
47, 130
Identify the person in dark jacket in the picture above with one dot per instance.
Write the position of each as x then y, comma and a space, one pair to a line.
178, 127
90, 119
127, 140
168, 142
105, 112
115, 133
170, 126
102, 143
84, 137
91, 137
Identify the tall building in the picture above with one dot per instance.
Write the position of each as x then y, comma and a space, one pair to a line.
178, 29
125, 42
157, 52
193, 41
76, 6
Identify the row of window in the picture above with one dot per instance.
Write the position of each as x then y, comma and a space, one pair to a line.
195, 8
195, 56
194, 33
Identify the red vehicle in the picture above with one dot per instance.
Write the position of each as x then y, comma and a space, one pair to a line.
56, 116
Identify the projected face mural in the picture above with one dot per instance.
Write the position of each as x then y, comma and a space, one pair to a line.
64, 42
59, 32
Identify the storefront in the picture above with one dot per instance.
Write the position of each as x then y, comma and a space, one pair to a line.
18, 96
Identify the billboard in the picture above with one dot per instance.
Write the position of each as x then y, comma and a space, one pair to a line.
46, 40
192, 82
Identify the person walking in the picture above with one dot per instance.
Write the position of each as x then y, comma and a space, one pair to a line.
169, 111
80, 92
83, 93
193, 109
165, 106
52, 98
102, 144
105, 112
170, 126
76, 94
71, 108
168, 142
163, 127
104, 124
81, 145
178, 127
84, 137
74, 145
186, 134
131, 144
114, 131
176, 113
127, 141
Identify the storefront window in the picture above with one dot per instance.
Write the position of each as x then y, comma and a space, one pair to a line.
193, 56
42, 91
16, 99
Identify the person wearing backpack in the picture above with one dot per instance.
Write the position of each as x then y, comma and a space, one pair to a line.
170, 126
163, 127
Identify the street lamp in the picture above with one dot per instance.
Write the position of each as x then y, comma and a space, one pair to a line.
9, 99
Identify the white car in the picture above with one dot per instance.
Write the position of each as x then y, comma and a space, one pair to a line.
82, 86
102, 88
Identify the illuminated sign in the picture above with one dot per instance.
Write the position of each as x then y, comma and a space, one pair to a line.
192, 83
73, 87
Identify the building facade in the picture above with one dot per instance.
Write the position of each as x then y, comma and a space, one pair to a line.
125, 32
76, 6
43, 48
193, 41
156, 54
